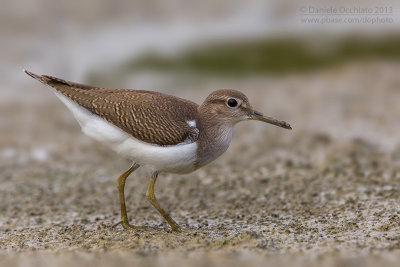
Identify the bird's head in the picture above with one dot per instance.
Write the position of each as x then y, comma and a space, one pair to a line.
232, 106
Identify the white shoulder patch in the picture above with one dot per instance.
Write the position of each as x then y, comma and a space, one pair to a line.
191, 123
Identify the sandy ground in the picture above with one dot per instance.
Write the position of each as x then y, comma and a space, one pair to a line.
325, 193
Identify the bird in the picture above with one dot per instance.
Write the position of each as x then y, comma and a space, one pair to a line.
164, 132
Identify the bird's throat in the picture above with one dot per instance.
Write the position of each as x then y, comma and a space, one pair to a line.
214, 139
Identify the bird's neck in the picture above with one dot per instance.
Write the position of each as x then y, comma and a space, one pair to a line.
214, 138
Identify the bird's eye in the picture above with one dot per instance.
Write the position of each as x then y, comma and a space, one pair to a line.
232, 103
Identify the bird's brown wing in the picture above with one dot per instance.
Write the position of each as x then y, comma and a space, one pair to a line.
151, 117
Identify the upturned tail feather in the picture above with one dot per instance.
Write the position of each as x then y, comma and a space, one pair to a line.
54, 81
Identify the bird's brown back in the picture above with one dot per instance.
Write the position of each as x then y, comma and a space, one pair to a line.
151, 117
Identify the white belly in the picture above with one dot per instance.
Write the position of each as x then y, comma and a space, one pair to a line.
177, 159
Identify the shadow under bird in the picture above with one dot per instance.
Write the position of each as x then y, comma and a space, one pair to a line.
167, 133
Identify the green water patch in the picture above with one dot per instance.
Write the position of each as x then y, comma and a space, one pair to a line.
271, 56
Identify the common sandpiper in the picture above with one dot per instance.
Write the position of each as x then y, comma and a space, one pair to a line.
167, 133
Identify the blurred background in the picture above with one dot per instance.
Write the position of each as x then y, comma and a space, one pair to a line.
329, 68
333, 56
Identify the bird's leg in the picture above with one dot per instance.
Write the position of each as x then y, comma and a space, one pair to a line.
152, 199
121, 185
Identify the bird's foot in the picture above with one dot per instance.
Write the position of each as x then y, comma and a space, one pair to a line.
174, 226
128, 226
177, 229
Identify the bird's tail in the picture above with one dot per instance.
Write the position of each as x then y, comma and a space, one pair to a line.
40, 78
57, 83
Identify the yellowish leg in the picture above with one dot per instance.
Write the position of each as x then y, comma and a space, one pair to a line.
152, 199
121, 185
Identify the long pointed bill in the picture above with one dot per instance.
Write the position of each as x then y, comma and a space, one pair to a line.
255, 115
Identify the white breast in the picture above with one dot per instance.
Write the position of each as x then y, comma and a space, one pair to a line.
177, 159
